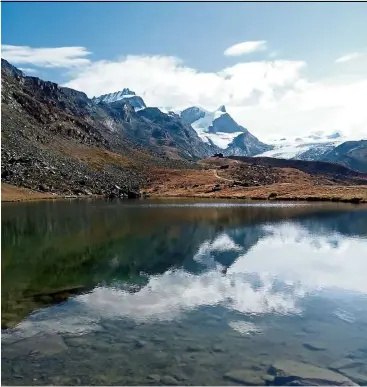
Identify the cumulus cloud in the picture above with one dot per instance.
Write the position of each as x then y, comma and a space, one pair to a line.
65, 57
271, 98
244, 48
166, 81
349, 57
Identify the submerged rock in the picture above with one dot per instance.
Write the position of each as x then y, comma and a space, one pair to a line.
353, 369
194, 348
247, 377
291, 373
140, 343
218, 348
314, 346
39, 345
154, 378
169, 380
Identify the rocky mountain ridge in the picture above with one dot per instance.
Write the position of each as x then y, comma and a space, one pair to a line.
56, 139
218, 129
126, 94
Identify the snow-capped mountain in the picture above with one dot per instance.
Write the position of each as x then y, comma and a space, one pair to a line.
217, 129
310, 147
134, 100
220, 129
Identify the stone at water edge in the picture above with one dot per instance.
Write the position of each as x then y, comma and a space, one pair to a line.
290, 371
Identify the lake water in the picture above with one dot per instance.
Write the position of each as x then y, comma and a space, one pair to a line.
181, 292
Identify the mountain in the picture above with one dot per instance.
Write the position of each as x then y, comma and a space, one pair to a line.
311, 147
220, 129
56, 139
246, 144
126, 94
352, 154
319, 146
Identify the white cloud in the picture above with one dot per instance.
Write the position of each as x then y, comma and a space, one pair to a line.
349, 57
28, 70
245, 48
166, 81
270, 98
66, 57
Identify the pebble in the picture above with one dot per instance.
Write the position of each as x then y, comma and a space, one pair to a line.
169, 380
140, 344
194, 348
154, 377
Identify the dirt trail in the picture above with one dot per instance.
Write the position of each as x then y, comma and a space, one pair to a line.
220, 177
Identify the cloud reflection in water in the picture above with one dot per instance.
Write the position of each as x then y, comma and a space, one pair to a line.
280, 269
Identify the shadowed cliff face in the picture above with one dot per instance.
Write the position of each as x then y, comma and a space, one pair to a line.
352, 154
54, 250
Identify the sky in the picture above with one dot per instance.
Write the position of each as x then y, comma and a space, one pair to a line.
281, 69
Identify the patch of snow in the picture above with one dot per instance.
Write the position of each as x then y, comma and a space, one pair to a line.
290, 149
126, 94
220, 139
204, 123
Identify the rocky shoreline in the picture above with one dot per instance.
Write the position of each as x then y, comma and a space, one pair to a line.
19, 194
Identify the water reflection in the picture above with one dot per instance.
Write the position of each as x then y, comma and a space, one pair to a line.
184, 273
268, 268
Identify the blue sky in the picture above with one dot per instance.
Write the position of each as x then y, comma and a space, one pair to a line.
311, 36
197, 33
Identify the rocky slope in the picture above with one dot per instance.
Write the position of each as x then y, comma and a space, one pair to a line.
56, 139
352, 154
335, 173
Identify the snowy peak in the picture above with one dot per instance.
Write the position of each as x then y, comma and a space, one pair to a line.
192, 114
126, 94
204, 121
220, 129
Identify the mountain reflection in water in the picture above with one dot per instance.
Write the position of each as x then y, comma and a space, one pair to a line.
69, 268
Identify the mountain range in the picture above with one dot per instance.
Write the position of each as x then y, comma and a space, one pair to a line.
218, 129
56, 139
